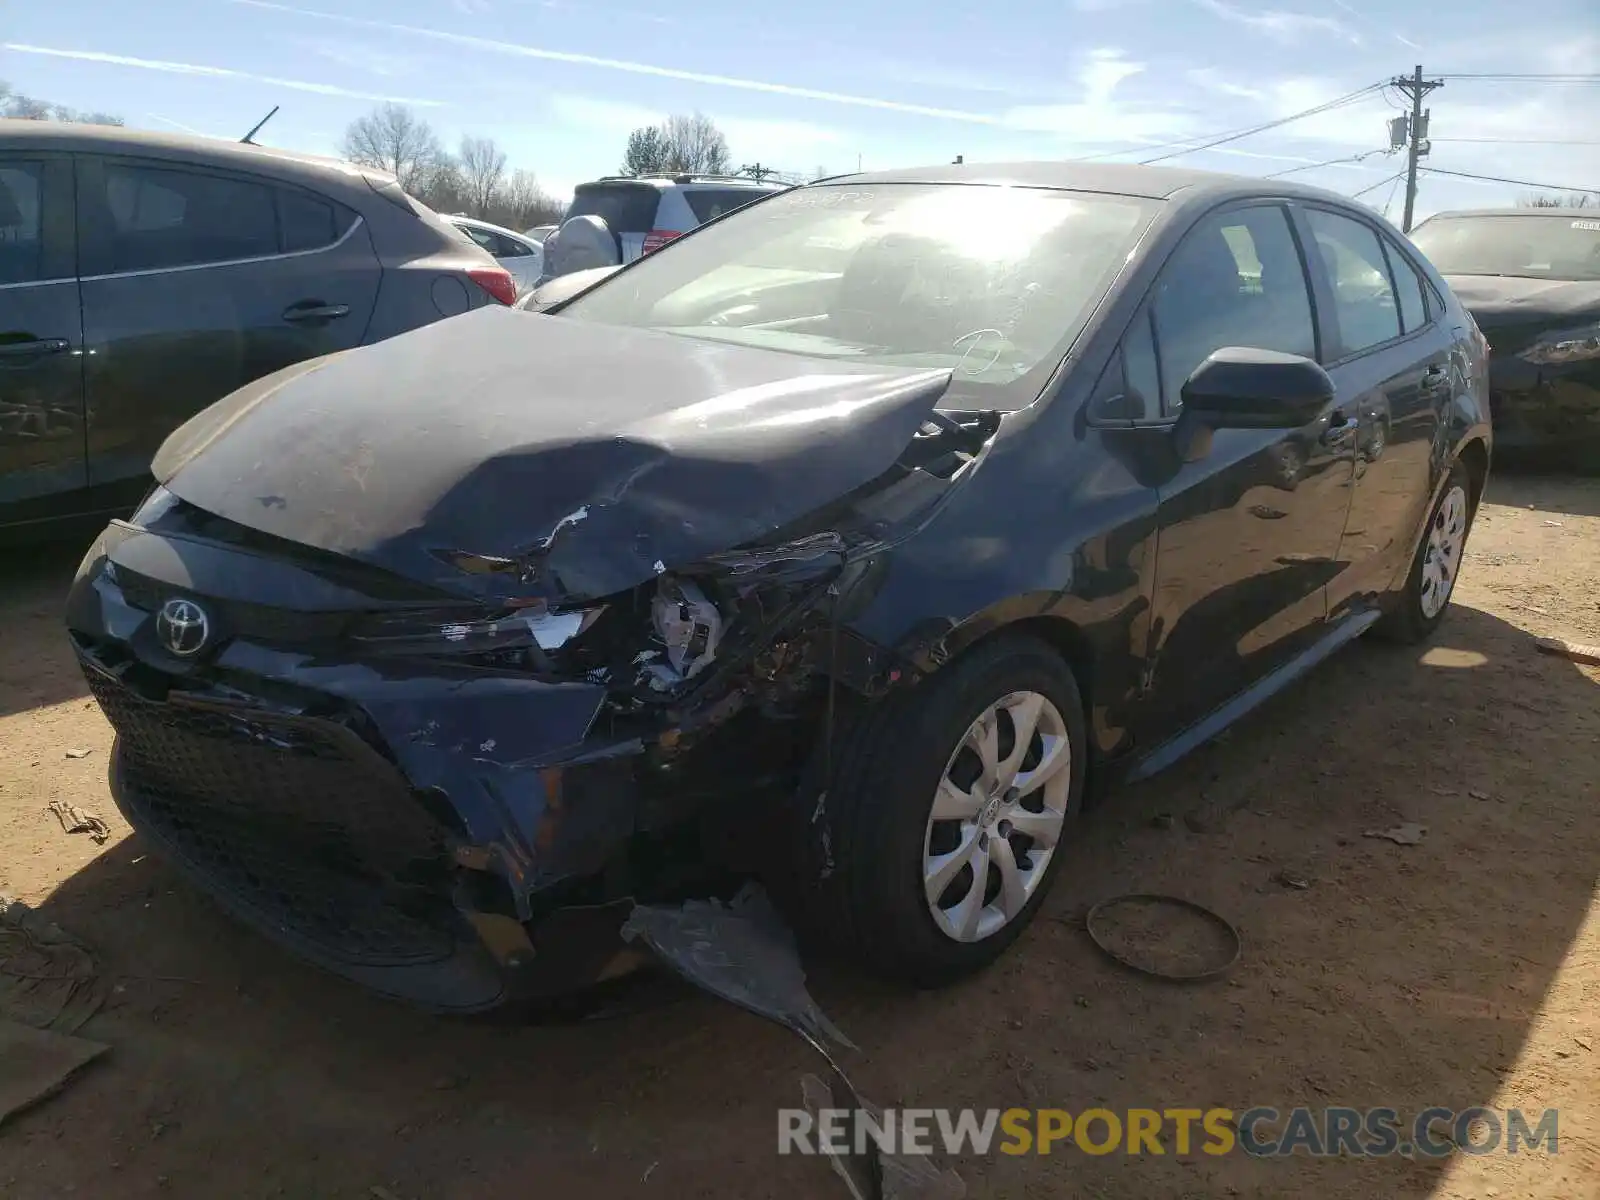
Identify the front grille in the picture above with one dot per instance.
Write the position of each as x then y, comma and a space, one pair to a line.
252, 622
294, 822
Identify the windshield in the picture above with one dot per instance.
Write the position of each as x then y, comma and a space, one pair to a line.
1542, 246
990, 282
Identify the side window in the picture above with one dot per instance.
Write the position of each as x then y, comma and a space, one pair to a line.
21, 235
1236, 280
308, 223
1130, 388
1140, 373
510, 247
710, 203
172, 218
1363, 300
1408, 289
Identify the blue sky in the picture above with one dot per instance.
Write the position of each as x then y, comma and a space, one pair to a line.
828, 83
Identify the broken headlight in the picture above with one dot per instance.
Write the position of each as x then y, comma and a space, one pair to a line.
1570, 345
689, 626
432, 632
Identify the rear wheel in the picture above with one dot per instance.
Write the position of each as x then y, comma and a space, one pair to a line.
1426, 597
943, 826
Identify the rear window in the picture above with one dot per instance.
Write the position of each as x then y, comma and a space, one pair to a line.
624, 207
710, 203
1563, 245
309, 223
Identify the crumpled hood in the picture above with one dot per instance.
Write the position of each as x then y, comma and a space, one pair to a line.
1496, 300
601, 455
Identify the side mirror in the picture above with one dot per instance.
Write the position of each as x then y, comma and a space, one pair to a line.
1241, 388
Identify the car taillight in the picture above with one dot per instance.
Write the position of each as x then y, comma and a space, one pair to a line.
658, 238
496, 281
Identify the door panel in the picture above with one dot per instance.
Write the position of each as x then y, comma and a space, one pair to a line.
196, 283
1394, 362
1250, 530
41, 342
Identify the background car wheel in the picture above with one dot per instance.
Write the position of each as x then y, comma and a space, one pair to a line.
1426, 597
941, 828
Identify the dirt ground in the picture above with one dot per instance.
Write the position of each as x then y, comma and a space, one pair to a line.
1459, 971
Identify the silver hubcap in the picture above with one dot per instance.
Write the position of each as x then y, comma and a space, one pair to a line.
1447, 536
997, 816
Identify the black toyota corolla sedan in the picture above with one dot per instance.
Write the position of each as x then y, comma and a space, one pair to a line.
1531, 279
849, 541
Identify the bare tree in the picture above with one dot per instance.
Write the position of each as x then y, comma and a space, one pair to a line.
694, 144
1569, 200
482, 168
524, 204
19, 107
394, 139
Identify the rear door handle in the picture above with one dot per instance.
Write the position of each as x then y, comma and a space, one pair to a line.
312, 312
1434, 376
35, 348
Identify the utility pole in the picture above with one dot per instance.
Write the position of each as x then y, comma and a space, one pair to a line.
1416, 88
757, 172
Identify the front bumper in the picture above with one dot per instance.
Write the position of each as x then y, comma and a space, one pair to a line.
1548, 412
446, 837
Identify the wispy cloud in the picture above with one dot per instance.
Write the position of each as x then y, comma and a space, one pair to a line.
746, 134
356, 57
1366, 20
1096, 119
175, 124
208, 72
629, 67
1278, 25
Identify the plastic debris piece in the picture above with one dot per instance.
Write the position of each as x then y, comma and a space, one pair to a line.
740, 951
75, 820
1401, 835
876, 1174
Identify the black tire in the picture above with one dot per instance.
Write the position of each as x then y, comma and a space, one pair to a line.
1407, 622
858, 871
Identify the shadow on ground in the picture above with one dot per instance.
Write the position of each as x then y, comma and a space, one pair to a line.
33, 589
1551, 493
1404, 976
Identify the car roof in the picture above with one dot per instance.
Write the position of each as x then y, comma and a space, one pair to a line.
1520, 211
288, 165
462, 219
669, 179
1123, 179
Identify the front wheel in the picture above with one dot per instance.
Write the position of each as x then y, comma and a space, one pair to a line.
1422, 603
944, 823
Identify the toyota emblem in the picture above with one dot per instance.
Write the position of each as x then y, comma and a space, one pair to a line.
182, 627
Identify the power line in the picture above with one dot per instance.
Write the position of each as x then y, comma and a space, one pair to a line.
1375, 186
1513, 78
1519, 141
1339, 102
1553, 187
1390, 198
1351, 158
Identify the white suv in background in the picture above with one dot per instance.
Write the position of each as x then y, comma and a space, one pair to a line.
614, 220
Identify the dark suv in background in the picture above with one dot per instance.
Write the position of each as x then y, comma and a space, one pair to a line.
144, 276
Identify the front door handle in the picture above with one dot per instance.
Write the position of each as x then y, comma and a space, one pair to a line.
1434, 377
313, 312
35, 348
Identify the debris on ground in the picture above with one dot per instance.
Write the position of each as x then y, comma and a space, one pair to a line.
740, 951
1576, 651
1290, 880
79, 753
1585, 1043
77, 820
1477, 795
35, 1064
876, 1175
1161, 821
49, 987
1400, 835
744, 953
48, 979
